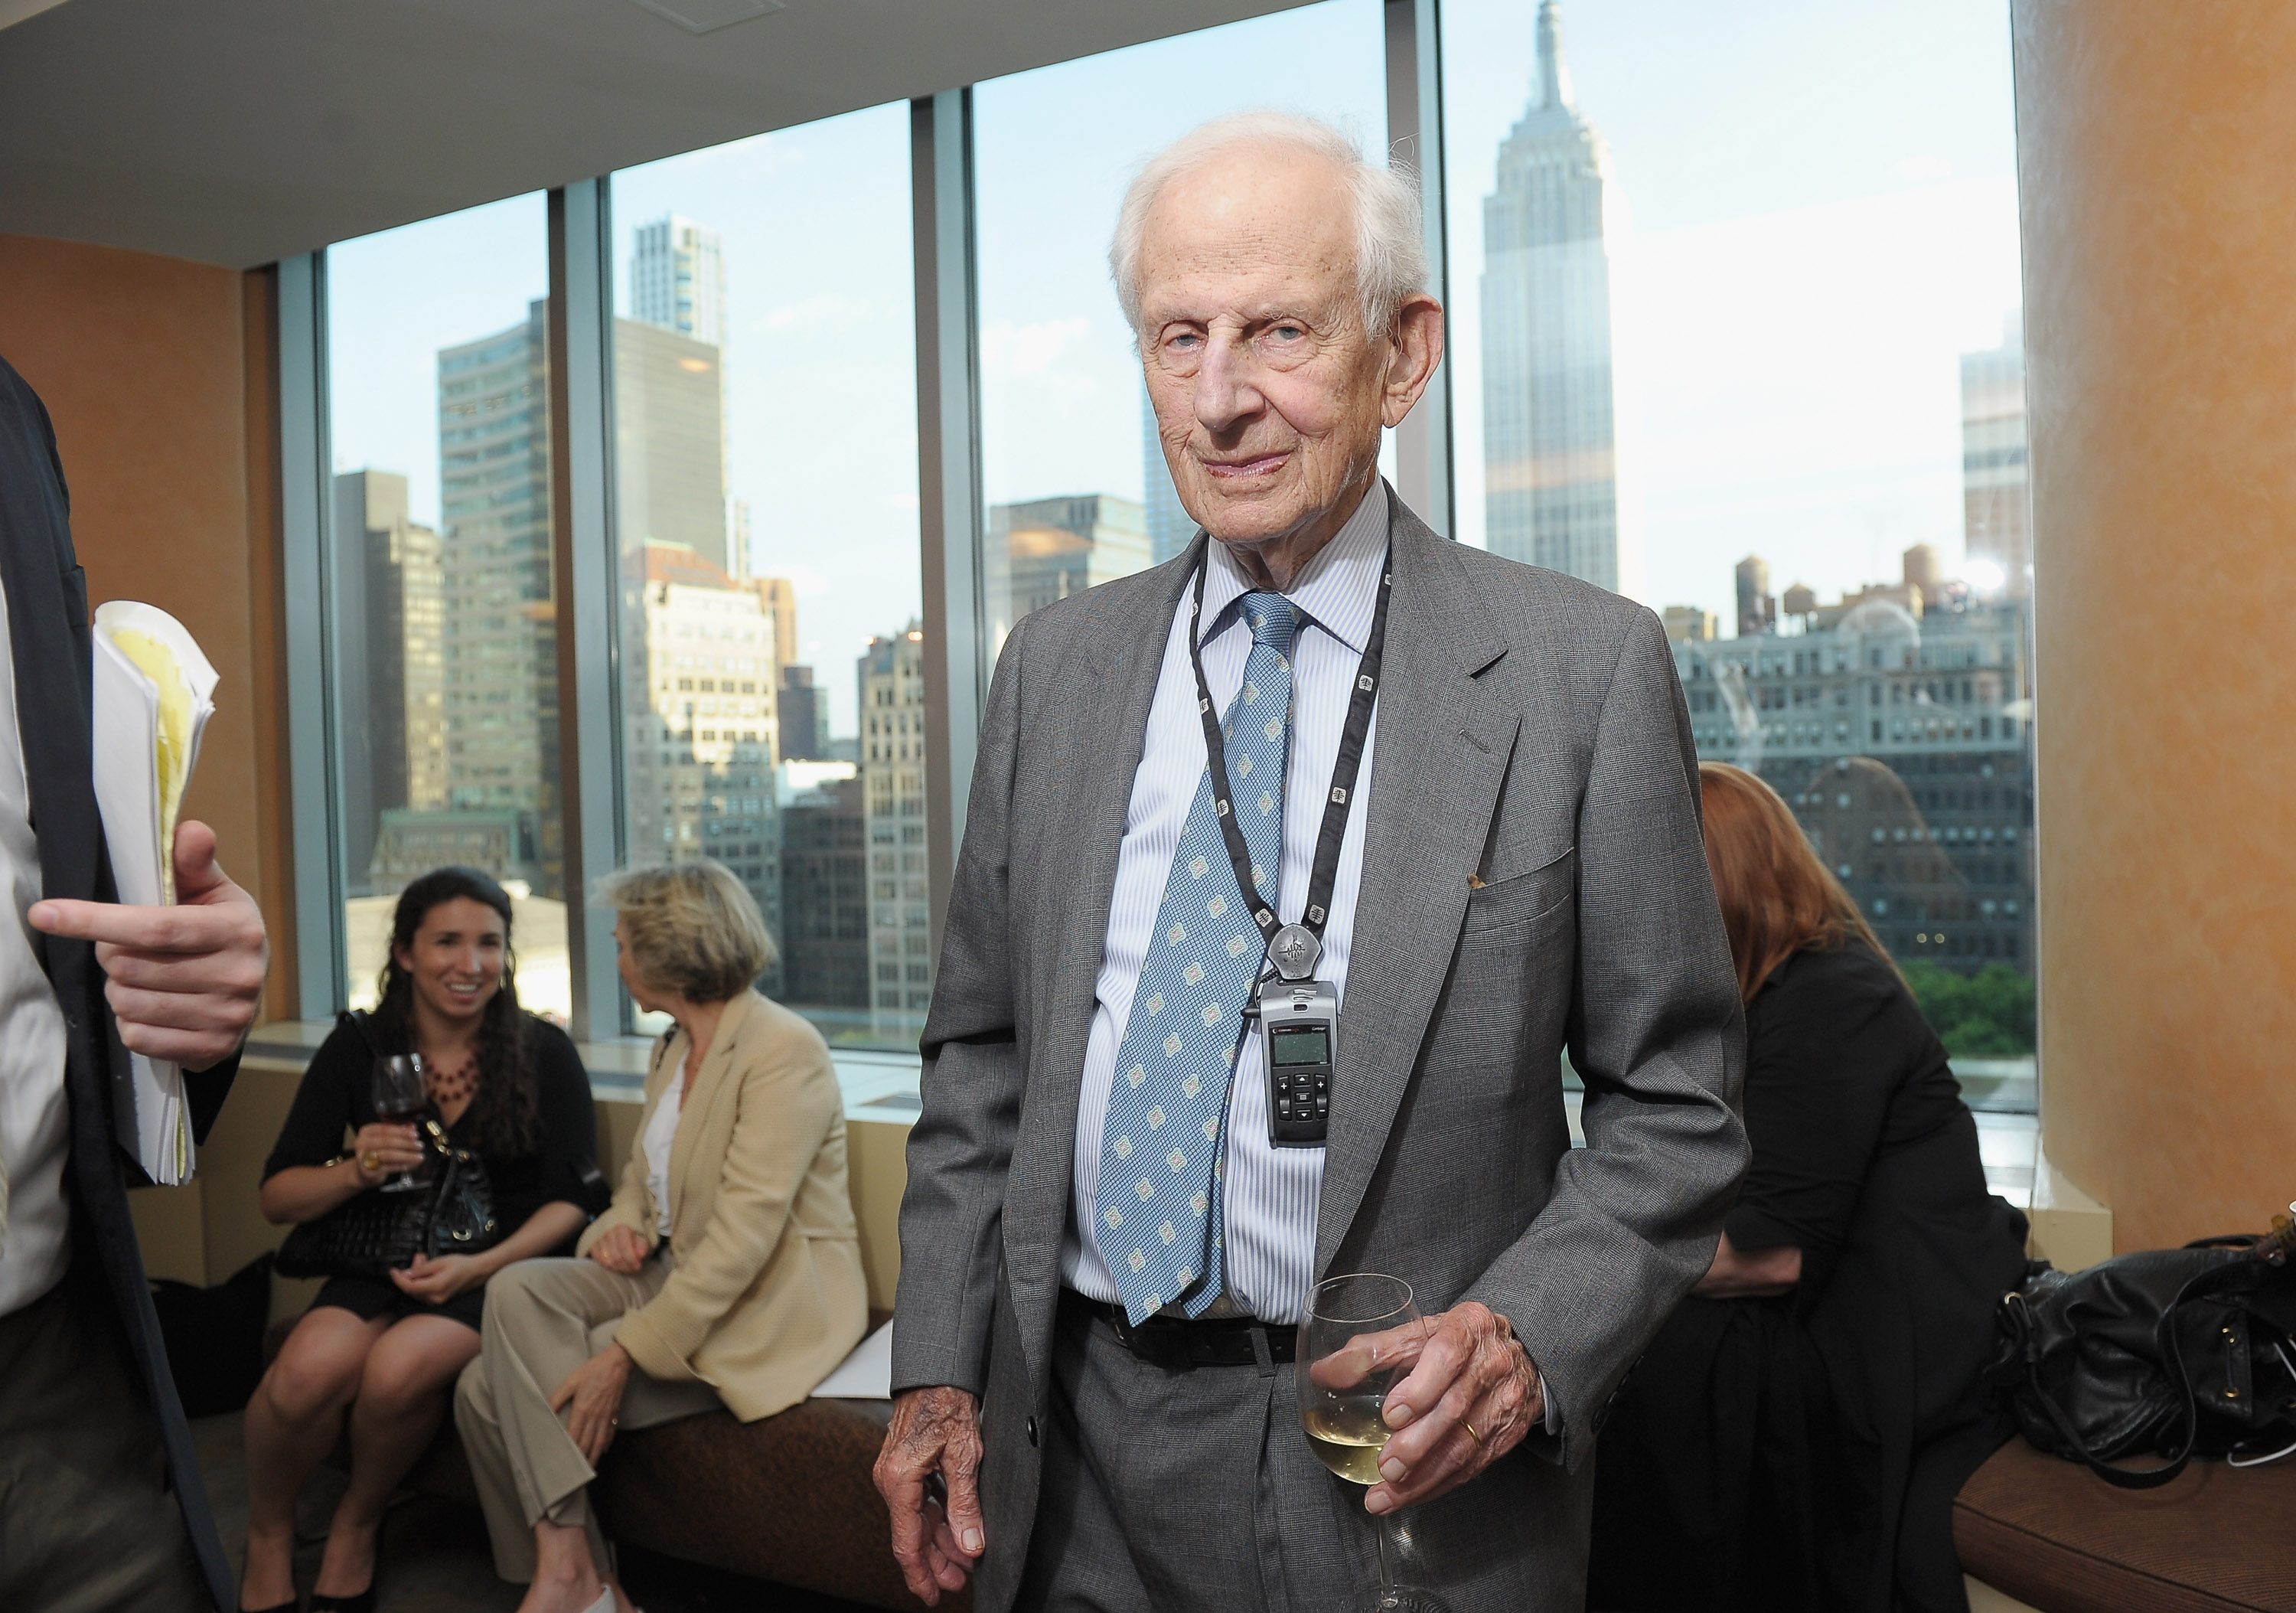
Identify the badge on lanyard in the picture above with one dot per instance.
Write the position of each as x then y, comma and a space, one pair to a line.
1298, 1015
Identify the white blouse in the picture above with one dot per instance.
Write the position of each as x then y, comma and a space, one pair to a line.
661, 1136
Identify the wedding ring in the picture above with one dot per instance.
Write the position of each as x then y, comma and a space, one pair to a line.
371, 1160
1471, 1432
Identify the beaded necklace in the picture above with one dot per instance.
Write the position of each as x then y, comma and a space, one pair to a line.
448, 1088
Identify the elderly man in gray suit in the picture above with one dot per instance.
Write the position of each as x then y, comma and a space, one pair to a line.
1114, 1215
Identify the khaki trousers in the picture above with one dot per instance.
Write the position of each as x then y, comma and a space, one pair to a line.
544, 1319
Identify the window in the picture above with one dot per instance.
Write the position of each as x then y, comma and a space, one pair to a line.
765, 511
1781, 399
444, 631
1074, 478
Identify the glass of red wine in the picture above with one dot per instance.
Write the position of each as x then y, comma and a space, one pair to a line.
399, 1099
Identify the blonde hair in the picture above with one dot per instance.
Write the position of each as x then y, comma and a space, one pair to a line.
692, 928
1390, 257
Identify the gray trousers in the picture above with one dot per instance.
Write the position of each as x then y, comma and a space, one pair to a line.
87, 1523
1168, 1491
544, 1319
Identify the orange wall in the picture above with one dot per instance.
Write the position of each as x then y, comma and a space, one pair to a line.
170, 450
2159, 231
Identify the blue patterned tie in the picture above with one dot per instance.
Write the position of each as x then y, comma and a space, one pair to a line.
1158, 1205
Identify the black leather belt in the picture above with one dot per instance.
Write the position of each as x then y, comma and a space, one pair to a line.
1180, 1345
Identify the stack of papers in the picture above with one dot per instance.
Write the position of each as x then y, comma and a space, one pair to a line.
866, 1374
155, 693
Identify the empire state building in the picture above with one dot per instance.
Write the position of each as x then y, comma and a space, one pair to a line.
1549, 399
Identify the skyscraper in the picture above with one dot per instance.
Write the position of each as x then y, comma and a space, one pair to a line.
1171, 527
389, 659
824, 932
1047, 548
1996, 508
892, 688
803, 713
499, 621
677, 279
1549, 393
669, 425
698, 723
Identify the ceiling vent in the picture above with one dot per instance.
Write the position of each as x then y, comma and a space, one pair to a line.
707, 16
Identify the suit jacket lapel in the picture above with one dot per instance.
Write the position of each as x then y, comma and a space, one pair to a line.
1444, 743
707, 1082
1106, 734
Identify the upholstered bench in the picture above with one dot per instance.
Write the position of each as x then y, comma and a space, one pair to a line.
2053, 1535
787, 1499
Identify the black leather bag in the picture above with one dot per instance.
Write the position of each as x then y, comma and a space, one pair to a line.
2183, 1352
376, 1233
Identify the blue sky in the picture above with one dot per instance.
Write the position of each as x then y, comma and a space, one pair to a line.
1824, 215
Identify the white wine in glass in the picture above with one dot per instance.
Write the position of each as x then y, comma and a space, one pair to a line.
1359, 1339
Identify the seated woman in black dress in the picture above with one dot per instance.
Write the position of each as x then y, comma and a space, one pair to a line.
506, 1085
1794, 1437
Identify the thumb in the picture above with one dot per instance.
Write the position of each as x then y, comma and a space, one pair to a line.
198, 875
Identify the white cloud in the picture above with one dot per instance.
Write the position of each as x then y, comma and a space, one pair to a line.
806, 582
1924, 170
1011, 350
828, 311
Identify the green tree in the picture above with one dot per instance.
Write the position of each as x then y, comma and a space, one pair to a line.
1987, 1014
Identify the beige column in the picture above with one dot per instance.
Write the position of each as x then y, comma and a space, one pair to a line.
2157, 158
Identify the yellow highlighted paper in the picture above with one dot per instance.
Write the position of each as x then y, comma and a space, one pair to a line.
172, 744
154, 692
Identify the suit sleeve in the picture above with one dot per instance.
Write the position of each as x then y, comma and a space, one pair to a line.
1657, 1034
960, 1149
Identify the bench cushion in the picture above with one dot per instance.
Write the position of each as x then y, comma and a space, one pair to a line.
2052, 1533
788, 1498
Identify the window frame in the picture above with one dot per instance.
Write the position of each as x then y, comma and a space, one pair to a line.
952, 534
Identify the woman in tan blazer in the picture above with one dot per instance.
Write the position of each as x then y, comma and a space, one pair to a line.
727, 1271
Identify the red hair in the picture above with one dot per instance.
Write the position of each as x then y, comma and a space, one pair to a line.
1777, 897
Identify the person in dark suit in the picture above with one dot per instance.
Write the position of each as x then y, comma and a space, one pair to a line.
1797, 1432
101, 1501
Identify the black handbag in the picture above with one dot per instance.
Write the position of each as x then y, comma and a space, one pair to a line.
376, 1233
2182, 1353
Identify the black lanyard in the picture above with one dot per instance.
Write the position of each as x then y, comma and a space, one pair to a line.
1343, 771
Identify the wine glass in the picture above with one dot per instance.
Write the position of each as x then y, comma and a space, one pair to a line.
1359, 1338
399, 1099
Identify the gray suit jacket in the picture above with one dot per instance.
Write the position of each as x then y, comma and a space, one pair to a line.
1532, 735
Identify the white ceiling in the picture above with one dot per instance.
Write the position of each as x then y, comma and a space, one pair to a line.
241, 131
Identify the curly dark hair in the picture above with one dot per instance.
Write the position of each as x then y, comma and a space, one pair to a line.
505, 1111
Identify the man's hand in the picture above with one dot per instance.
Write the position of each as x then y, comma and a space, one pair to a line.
182, 980
1470, 1370
935, 1431
595, 1391
619, 1248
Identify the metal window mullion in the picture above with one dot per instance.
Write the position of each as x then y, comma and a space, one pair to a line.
586, 585
1415, 134
957, 654
307, 568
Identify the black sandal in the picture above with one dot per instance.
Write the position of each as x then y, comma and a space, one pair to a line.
364, 1602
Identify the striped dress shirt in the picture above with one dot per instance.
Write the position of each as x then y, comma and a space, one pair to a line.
1268, 1194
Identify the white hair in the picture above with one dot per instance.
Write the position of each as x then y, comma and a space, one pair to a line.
1390, 257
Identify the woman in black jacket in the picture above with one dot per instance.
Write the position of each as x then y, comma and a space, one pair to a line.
1795, 1436
506, 1085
